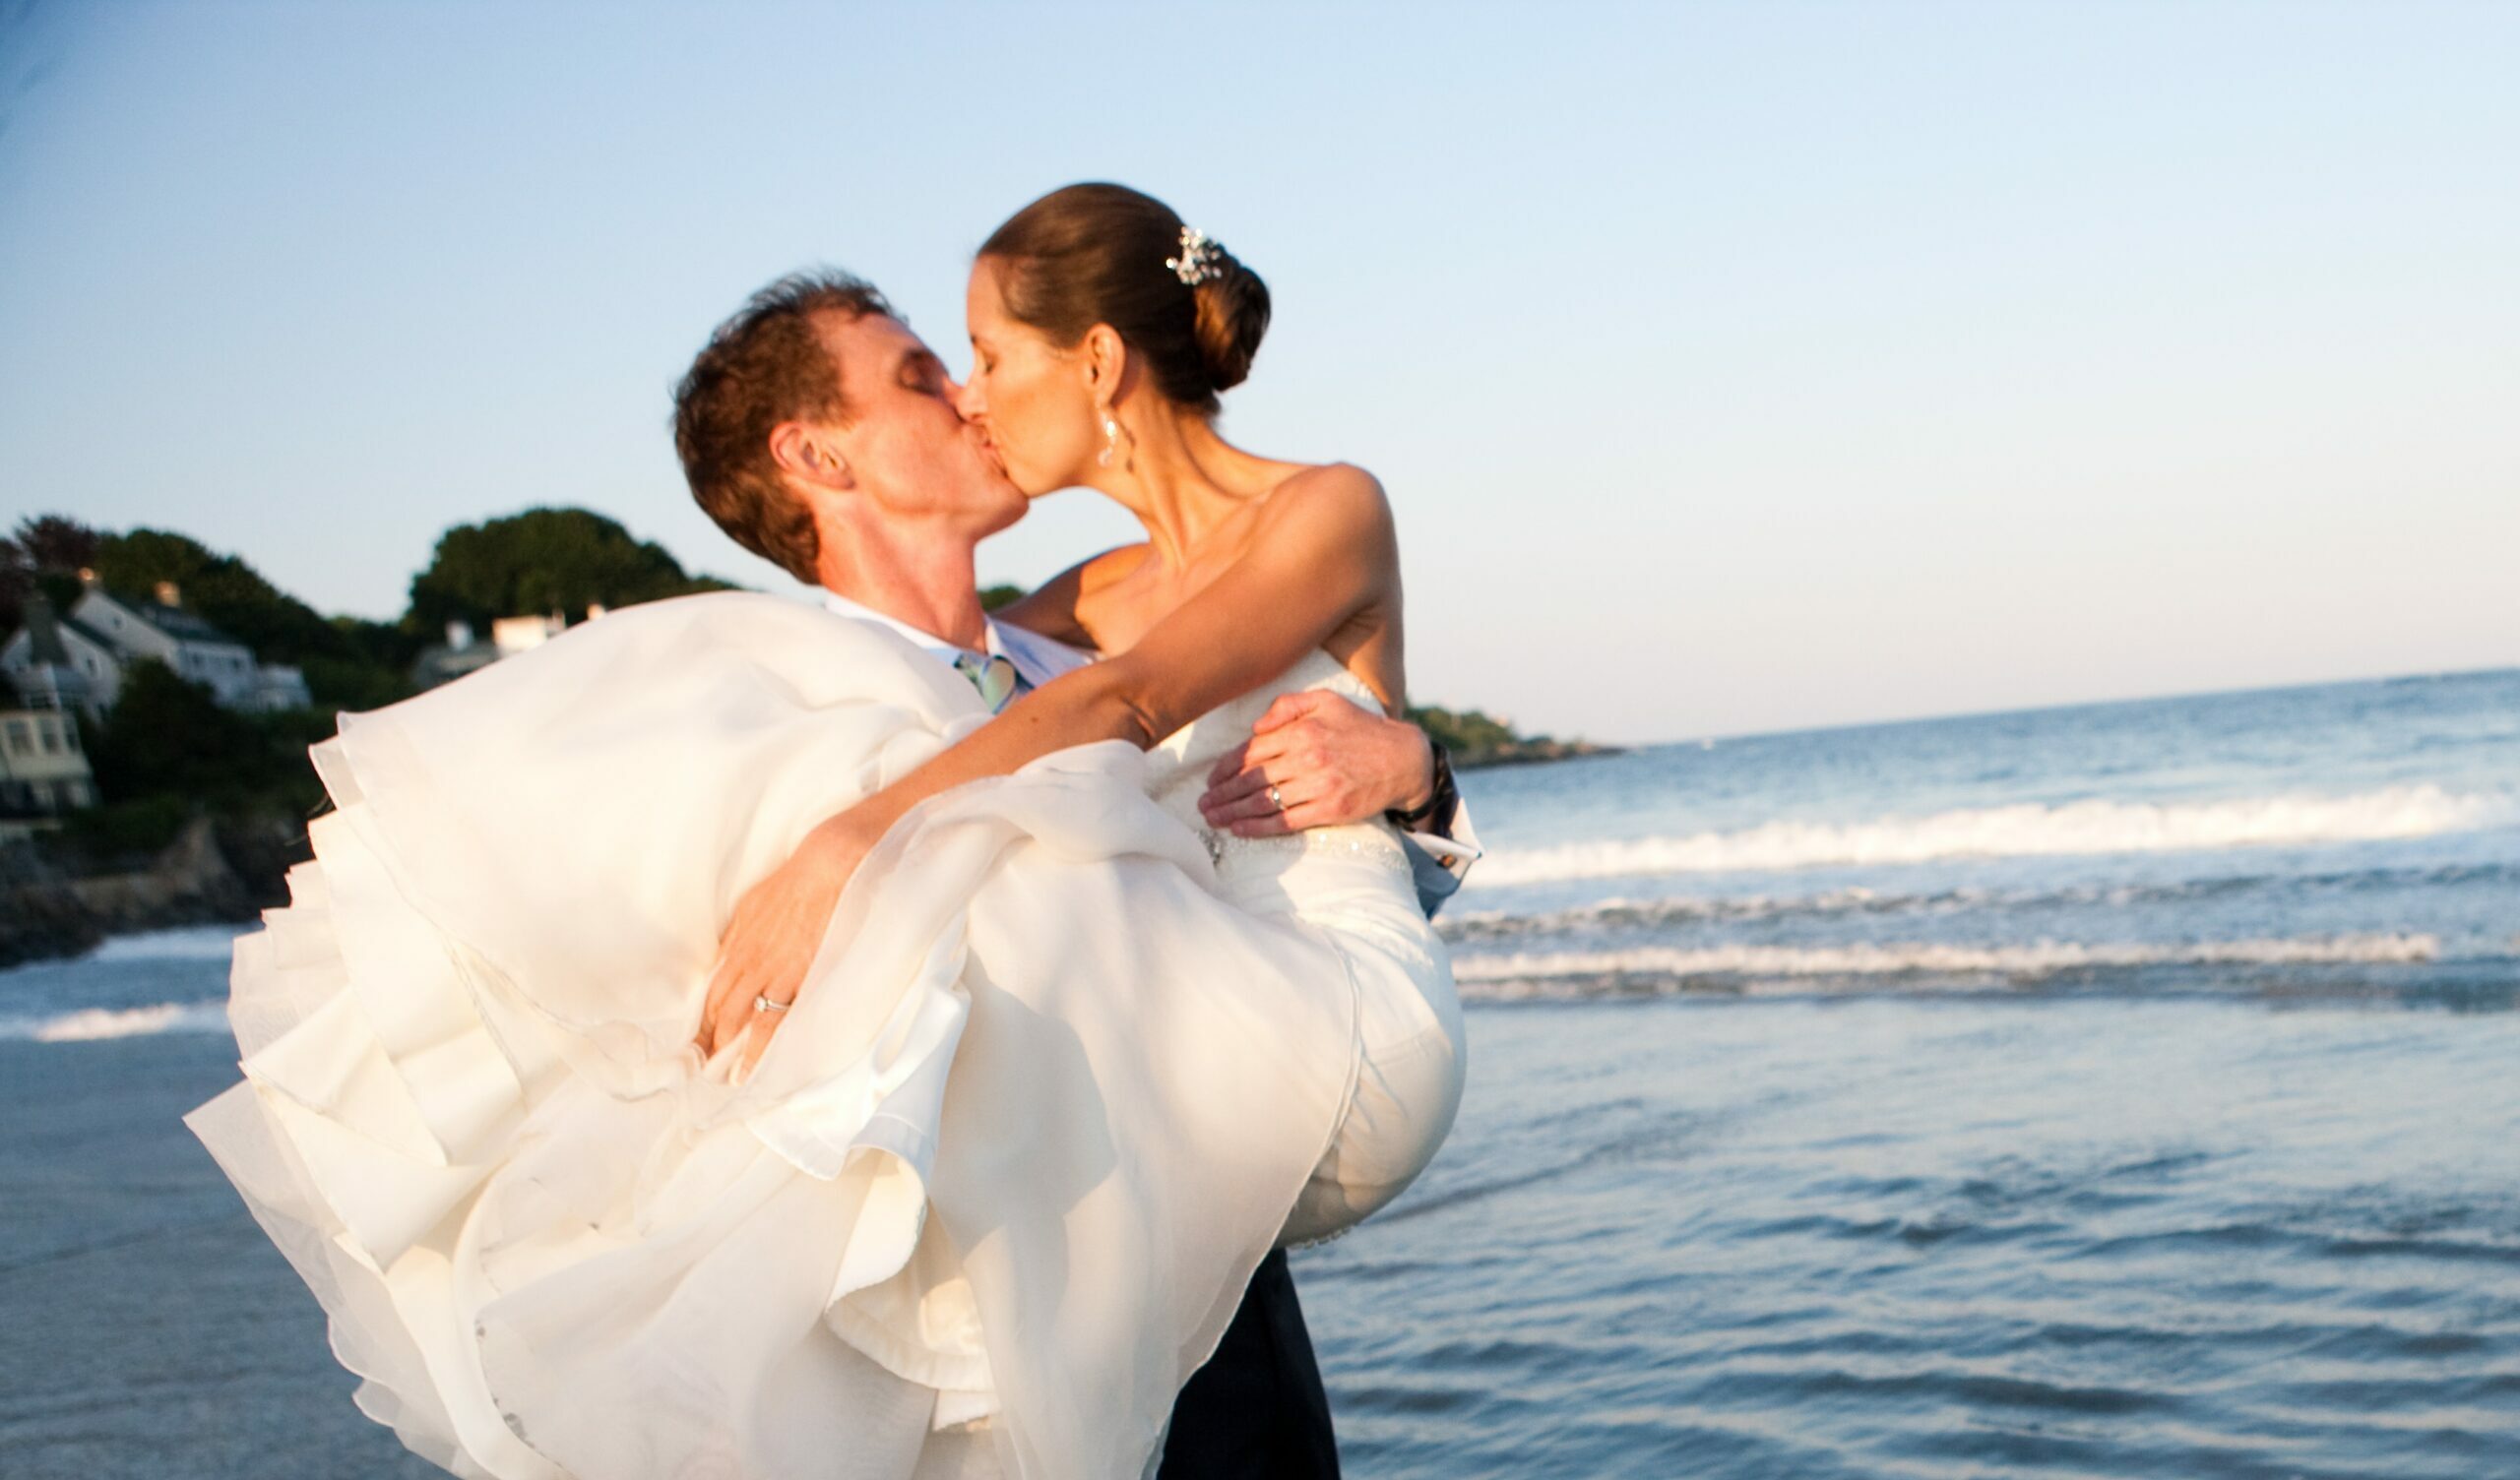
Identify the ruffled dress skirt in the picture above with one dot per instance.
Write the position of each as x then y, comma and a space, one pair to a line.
992, 1193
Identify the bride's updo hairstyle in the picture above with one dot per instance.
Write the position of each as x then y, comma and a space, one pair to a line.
1097, 254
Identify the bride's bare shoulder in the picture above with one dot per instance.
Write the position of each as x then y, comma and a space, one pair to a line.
1334, 500
1051, 608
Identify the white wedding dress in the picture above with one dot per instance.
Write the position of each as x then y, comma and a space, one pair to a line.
1063, 1071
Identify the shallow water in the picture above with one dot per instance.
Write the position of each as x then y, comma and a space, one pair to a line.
2130, 1090
1948, 1238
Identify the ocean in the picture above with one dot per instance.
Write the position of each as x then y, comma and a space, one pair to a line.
2130, 1090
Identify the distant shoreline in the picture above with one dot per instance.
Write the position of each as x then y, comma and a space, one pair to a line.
1475, 739
1530, 753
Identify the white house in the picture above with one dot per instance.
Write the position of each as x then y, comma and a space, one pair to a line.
44, 771
90, 649
55, 666
465, 653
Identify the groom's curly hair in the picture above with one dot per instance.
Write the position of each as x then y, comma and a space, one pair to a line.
764, 366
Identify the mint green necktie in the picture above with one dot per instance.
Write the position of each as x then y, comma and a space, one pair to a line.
995, 678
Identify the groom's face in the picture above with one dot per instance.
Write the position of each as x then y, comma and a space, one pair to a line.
906, 446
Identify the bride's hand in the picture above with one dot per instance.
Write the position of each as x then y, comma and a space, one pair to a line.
770, 941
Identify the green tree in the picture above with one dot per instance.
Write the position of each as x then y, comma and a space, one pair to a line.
221, 589
46, 551
1464, 731
539, 561
56, 544
341, 669
168, 737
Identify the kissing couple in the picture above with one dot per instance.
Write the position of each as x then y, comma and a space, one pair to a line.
745, 1039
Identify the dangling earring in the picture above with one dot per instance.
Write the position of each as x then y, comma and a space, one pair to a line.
1111, 450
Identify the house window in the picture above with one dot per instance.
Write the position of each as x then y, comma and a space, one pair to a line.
69, 732
21, 741
51, 738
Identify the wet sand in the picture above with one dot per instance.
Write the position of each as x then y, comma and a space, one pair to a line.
151, 1332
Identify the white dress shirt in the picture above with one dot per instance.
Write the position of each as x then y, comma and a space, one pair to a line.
1037, 657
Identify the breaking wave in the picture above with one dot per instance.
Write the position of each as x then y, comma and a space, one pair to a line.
2023, 831
192, 943
1528, 974
89, 1024
1685, 910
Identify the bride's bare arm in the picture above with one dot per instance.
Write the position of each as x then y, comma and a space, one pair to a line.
1337, 762
1324, 552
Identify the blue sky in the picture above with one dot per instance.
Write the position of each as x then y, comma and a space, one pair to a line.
1732, 367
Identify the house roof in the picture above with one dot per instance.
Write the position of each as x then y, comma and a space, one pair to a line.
174, 621
43, 629
72, 624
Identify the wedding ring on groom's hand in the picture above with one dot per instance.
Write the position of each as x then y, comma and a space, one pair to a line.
763, 1004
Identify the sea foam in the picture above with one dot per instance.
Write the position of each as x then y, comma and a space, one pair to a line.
192, 943
88, 1025
2021, 831
1504, 975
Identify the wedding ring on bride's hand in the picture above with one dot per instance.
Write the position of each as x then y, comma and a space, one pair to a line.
1277, 803
763, 1004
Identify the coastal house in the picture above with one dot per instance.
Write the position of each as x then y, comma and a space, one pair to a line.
43, 770
79, 660
55, 664
463, 653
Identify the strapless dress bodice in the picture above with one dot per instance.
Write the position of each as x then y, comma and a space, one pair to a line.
1253, 868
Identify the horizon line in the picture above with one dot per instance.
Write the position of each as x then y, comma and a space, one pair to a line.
1721, 736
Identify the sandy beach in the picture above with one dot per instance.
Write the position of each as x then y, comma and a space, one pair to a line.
152, 1330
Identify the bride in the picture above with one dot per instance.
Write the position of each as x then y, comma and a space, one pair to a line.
1009, 1070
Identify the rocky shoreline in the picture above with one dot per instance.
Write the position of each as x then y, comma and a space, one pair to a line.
1529, 753
1475, 739
209, 874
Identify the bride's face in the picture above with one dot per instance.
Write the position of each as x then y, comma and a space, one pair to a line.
1034, 400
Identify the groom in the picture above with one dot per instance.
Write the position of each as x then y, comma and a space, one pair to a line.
821, 434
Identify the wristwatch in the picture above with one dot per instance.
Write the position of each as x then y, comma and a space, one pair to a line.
1435, 814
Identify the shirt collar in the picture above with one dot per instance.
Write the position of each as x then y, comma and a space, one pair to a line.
1039, 658
926, 641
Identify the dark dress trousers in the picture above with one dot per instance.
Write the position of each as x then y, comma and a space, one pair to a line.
1257, 1411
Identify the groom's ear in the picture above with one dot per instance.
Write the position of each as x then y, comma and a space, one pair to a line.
807, 452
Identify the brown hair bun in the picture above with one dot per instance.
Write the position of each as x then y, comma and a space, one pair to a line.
1233, 315
1095, 254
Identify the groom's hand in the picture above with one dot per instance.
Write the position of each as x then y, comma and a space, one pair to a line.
1330, 761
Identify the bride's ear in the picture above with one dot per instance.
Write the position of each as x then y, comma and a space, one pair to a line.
1106, 362
807, 453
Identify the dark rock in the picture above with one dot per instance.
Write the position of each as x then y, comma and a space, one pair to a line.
211, 874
